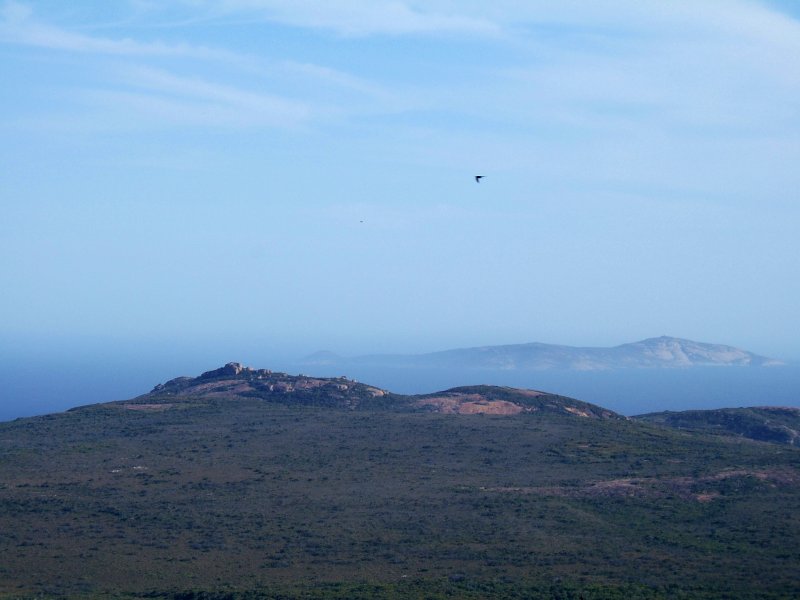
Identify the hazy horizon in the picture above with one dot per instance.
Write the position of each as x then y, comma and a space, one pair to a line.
37, 379
198, 182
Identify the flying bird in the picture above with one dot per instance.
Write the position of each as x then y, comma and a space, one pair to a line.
478, 178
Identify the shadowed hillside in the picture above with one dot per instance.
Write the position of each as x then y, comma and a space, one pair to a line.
780, 425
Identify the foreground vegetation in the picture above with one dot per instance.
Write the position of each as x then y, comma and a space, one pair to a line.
237, 498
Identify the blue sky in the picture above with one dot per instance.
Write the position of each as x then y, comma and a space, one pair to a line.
297, 175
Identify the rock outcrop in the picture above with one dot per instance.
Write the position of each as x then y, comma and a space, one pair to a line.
234, 381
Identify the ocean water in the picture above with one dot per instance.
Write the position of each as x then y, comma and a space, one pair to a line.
627, 391
30, 388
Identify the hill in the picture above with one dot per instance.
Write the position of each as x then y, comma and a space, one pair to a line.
779, 425
661, 352
236, 381
231, 491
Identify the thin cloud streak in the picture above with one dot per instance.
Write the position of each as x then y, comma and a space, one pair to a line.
506, 18
174, 100
355, 17
19, 26
341, 95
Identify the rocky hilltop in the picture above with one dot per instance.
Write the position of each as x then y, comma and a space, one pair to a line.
779, 425
234, 381
660, 352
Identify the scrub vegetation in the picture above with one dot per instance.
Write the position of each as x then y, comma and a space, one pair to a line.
777, 424
218, 497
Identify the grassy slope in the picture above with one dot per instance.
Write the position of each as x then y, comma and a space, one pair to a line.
226, 496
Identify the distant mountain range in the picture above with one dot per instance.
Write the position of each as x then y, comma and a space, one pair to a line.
660, 352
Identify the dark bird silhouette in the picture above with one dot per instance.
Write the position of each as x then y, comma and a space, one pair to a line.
478, 178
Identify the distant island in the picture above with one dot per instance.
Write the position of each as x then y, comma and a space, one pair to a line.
659, 352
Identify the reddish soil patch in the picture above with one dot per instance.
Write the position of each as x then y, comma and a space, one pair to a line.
577, 411
470, 404
490, 407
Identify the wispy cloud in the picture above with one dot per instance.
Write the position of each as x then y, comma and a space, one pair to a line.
193, 101
750, 19
616, 65
141, 91
19, 25
357, 17
610, 73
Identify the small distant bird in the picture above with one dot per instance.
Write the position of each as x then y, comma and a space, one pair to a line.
478, 178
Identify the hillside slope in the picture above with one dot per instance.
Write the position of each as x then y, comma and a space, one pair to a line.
780, 425
236, 381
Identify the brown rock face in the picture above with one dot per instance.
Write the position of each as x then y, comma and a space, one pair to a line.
470, 404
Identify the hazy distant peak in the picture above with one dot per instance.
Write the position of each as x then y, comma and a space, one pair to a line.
658, 352
323, 357
683, 352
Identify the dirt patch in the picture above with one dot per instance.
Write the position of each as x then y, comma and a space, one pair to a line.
687, 488
629, 487
470, 404
762, 475
490, 407
577, 411
219, 388
147, 407
706, 497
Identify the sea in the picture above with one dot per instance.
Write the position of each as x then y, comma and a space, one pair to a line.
55, 384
